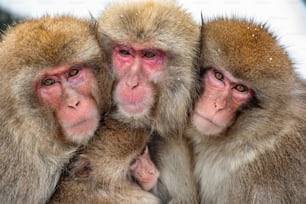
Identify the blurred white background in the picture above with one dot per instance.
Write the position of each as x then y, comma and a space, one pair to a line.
287, 18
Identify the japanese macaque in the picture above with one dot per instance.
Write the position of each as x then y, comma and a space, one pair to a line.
50, 103
152, 47
249, 125
101, 173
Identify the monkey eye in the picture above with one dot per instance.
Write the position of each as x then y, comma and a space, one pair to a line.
48, 82
219, 76
124, 52
73, 72
149, 54
241, 88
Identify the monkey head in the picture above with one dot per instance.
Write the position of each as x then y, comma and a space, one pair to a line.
55, 78
244, 70
151, 46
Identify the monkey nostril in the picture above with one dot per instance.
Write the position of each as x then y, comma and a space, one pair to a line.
132, 85
74, 105
135, 85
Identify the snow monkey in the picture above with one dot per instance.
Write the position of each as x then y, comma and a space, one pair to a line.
249, 125
151, 47
50, 102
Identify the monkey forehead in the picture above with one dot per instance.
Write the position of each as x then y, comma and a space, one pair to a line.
161, 23
51, 41
247, 49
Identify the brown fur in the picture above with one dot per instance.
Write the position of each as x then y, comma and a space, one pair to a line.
261, 157
32, 149
166, 26
163, 25
100, 173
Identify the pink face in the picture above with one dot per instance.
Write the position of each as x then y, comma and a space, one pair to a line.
144, 170
137, 69
217, 107
67, 89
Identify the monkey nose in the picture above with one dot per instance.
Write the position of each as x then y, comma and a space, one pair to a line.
132, 84
220, 104
73, 104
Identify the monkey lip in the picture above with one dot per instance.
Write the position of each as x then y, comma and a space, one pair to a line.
84, 126
134, 107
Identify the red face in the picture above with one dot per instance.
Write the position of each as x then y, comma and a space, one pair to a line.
137, 69
67, 89
218, 105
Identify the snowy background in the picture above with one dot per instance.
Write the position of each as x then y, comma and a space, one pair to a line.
287, 18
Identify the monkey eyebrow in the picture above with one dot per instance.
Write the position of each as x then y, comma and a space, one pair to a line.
234, 84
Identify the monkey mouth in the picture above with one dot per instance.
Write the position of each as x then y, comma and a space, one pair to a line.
204, 118
134, 108
202, 122
84, 126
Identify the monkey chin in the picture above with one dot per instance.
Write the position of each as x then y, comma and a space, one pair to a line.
134, 109
82, 131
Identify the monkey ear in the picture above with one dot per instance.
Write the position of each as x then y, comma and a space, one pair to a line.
202, 31
202, 20
93, 21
